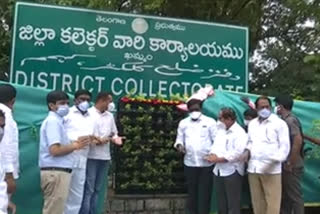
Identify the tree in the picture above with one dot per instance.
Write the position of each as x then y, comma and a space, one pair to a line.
286, 40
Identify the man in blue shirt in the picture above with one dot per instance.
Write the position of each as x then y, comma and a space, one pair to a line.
55, 154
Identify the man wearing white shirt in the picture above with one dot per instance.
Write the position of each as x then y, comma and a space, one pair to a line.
230, 142
10, 141
195, 137
3, 184
78, 122
268, 147
99, 158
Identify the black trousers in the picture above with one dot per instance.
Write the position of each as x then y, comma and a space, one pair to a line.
199, 183
228, 190
292, 196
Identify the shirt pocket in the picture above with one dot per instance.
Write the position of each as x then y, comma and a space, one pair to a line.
228, 144
271, 135
204, 131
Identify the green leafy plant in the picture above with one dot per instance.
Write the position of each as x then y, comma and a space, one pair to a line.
147, 162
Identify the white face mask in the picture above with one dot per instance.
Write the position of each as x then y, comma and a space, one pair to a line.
246, 122
276, 109
221, 125
264, 113
111, 107
195, 115
83, 106
62, 110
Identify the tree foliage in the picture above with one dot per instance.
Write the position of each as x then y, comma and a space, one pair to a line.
282, 33
286, 40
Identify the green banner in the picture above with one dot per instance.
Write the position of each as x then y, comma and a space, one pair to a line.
72, 48
31, 109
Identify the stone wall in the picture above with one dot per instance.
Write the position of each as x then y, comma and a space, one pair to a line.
146, 204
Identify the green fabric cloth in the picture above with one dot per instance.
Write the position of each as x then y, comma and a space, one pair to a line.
31, 109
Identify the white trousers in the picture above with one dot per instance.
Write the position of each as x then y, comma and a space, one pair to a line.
75, 196
3, 197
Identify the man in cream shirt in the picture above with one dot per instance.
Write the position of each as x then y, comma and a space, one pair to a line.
268, 147
99, 158
230, 142
79, 123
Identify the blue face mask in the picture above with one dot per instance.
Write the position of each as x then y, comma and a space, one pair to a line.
83, 106
264, 113
62, 110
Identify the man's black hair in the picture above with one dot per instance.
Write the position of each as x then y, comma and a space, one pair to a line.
262, 98
55, 96
250, 113
228, 113
2, 114
82, 92
192, 102
285, 100
7, 93
103, 95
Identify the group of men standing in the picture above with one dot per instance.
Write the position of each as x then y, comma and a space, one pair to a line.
74, 151
220, 153
74, 155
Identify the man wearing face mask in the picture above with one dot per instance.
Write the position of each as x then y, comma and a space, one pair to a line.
56, 160
230, 142
79, 123
249, 115
99, 158
195, 137
292, 170
268, 147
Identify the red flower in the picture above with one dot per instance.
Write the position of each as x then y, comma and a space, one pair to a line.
125, 99
155, 101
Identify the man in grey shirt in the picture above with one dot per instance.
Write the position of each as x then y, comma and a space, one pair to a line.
292, 196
